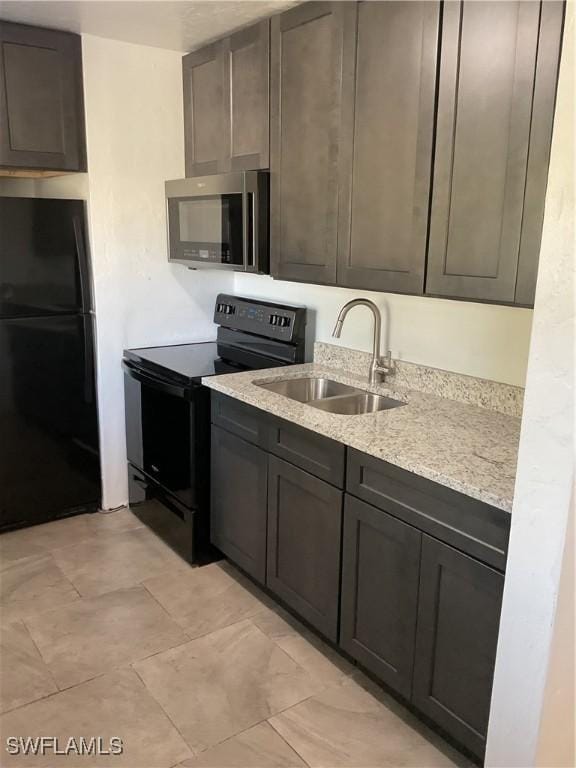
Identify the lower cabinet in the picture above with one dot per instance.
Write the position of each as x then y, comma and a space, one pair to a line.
239, 501
380, 570
304, 537
423, 617
458, 619
417, 612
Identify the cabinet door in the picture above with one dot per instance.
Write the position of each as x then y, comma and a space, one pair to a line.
238, 509
486, 83
305, 141
304, 533
204, 112
41, 99
458, 620
549, 45
246, 103
388, 122
380, 567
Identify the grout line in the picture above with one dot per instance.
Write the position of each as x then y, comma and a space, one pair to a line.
149, 692
37, 614
286, 741
163, 608
35, 644
47, 550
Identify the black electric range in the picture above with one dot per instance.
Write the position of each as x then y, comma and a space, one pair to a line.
168, 413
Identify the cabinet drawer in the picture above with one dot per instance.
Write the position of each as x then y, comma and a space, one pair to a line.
243, 420
315, 453
304, 537
467, 524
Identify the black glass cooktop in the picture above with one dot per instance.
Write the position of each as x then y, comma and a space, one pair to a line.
187, 362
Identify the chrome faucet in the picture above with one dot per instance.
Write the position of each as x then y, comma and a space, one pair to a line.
378, 367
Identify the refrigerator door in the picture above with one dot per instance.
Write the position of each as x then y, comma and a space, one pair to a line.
43, 260
49, 460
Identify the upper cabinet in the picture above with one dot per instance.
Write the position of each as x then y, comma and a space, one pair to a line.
204, 132
41, 100
247, 98
387, 131
497, 80
547, 64
226, 103
306, 97
409, 140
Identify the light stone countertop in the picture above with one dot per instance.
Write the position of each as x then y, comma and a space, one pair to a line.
470, 449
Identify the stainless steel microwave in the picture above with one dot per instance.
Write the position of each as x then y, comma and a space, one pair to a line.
219, 222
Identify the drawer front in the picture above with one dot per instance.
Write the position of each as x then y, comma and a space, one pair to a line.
314, 453
240, 419
304, 538
465, 523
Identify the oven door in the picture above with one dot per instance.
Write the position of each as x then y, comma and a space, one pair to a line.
167, 429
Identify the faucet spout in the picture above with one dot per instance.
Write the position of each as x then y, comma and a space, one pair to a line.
377, 367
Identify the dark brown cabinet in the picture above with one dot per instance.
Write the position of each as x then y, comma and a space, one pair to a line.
239, 481
408, 142
226, 110
304, 534
547, 63
203, 77
41, 99
380, 568
458, 619
306, 94
493, 56
387, 134
406, 575
247, 97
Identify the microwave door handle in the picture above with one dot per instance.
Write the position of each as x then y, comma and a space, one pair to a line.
245, 226
254, 231
249, 263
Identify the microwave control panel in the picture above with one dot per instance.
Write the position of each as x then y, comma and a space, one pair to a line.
275, 321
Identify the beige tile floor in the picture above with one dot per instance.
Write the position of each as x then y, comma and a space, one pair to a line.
105, 632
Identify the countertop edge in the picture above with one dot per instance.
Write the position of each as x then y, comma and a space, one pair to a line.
218, 385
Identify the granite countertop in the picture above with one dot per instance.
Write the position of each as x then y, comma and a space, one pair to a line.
470, 449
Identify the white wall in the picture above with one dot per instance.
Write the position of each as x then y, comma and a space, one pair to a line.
476, 339
531, 720
557, 739
134, 124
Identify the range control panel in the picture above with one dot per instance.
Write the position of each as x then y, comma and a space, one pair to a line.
275, 321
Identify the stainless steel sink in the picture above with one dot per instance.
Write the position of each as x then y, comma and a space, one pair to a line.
308, 388
351, 405
331, 396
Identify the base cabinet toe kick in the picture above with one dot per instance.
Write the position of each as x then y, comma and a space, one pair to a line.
402, 574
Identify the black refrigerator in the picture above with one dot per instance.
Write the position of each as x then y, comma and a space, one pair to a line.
49, 451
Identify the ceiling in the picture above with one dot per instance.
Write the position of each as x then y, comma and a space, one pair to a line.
180, 25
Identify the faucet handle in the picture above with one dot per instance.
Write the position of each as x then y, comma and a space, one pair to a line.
386, 364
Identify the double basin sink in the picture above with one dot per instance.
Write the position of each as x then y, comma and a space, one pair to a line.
331, 396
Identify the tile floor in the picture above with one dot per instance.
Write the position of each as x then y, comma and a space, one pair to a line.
105, 632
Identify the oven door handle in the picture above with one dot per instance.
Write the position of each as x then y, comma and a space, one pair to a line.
155, 382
